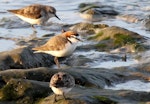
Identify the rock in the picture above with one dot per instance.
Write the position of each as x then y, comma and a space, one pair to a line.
114, 37
146, 22
84, 28
81, 95
23, 58
129, 18
31, 86
24, 91
11, 23
96, 11
77, 61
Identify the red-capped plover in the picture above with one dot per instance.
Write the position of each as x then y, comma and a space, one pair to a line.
35, 14
60, 45
61, 83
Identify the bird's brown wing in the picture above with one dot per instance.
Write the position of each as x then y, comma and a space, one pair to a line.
54, 44
32, 11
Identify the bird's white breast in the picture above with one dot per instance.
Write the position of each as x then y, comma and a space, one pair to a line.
68, 49
30, 20
61, 90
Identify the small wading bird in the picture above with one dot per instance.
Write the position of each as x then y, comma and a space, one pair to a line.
60, 45
61, 83
35, 14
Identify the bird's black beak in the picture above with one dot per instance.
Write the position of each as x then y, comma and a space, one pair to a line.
79, 39
57, 17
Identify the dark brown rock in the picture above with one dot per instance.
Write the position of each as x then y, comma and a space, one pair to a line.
24, 58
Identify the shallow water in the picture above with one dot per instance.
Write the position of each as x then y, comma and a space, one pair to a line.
113, 64
5, 46
68, 13
135, 85
105, 60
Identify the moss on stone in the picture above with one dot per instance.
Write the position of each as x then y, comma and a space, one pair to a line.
8, 93
140, 47
122, 39
95, 36
104, 100
101, 46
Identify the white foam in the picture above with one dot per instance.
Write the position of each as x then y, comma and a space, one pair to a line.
134, 85
112, 64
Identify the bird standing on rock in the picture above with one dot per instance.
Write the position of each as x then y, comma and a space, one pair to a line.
35, 14
60, 45
61, 83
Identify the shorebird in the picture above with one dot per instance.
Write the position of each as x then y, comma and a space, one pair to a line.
61, 83
35, 14
60, 45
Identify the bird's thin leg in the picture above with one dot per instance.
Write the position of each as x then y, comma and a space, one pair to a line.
55, 99
57, 62
33, 28
64, 96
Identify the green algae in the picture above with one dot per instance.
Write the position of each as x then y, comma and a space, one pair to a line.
104, 100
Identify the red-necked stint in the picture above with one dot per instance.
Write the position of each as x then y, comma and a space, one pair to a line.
61, 83
60, 45
35, 14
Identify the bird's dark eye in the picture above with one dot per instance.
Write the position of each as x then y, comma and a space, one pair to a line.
76, 34
64, 75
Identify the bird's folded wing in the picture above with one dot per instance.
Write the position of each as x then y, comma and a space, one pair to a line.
54, 44
32, 11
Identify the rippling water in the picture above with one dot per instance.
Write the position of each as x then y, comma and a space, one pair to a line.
68, 13
134, 85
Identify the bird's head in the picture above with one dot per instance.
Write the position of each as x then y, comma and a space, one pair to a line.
72, 36
52, 12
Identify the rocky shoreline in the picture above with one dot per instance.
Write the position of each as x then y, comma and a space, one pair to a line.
25, 76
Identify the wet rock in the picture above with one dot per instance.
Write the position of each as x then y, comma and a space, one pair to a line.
11, 23
31, 86
23, 58
146, 22
24, 91
87, 28
87, 78
77, 61
81, 95
129, 18
90, 96
96, 11
114, 37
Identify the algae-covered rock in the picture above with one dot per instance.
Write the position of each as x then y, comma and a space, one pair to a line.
114, 37
24, 91
87, 28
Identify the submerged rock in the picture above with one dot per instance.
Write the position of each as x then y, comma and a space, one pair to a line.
96, 11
